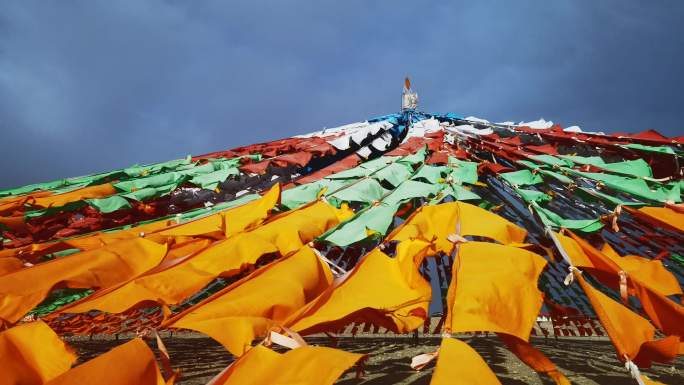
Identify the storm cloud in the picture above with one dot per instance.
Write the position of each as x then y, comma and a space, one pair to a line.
89, 86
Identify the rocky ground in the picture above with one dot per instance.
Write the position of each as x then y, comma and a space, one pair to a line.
583, 361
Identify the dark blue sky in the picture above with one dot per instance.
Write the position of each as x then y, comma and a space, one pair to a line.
90, 86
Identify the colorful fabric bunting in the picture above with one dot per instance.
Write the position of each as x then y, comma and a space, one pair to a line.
290, 238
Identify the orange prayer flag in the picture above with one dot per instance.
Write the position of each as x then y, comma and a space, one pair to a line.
494, 288
459, 364
584, 255
289, 231
209, 226
16, 223
9, 207
90, 192
664, 215
86, 242
239, 217
533, 358
232, 221
173, 283
184, 250
22, 290
307, 365
252, 214
439, 221
665, 314
5, 253
22, 198
649, 272
648, 381
384, 291
649, 280
632, 335
130, 363
97, 240
10, 265
236, 315
32, 354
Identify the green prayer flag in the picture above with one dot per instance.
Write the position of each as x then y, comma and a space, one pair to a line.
300, 195
634, 186
431, 174
590, 160
137, 171
150, 192
165, 179
552, 160
109, 204
532, 165
637, 167
71, 206
376, 219
554, 220
559, 177
411, 189
194, 170
210, 180
659, 149
521, 178
594, 195
394, 173
303, 194
462, 171
352, 173
366, 191
459, 192
364, 169
32, 187
533, 196
415, 158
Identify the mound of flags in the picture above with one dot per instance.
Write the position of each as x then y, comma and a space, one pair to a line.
383, 224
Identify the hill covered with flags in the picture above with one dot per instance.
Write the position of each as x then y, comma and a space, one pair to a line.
383, 225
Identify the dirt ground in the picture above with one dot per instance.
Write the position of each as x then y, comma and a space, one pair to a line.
583, 361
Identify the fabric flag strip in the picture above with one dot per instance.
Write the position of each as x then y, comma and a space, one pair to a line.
130, 363
385, 291
362, 225
647, 279
139, 250
437, 222
483, 273
250, 307
32, 354
632, 335
308, 365
102, 268
175, 283
459, 364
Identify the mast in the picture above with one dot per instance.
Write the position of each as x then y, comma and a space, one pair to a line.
409, 98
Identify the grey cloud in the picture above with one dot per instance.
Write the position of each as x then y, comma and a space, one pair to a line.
88, 86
